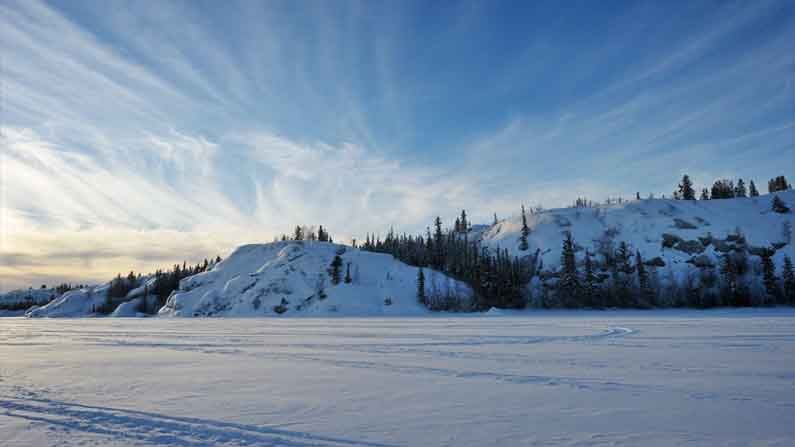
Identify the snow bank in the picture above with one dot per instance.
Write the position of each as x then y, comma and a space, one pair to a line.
291, 278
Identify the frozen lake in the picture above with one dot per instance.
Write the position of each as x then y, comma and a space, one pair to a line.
609, 378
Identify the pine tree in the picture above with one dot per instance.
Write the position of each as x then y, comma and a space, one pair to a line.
523, 245
298, 234
705, 194
421, 298
464, 222
495, 219
752, 190
740, 191
348, 278
788, 275
769, 278
686, 191
569, 283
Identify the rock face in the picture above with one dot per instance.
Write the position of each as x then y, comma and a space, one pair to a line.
292, 278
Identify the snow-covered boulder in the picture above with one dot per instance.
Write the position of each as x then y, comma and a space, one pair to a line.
129, 309
292, 278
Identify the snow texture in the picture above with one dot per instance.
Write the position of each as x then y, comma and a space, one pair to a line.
617, 378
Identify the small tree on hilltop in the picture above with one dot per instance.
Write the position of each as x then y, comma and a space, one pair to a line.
523, 245
686, 191
752, 190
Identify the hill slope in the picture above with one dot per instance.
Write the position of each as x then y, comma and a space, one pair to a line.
292, 278
680, 233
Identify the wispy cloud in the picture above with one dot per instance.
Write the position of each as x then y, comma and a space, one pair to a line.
137, 135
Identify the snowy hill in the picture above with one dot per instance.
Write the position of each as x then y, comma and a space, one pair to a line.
16, 301
679, 233
88, 301
292, 278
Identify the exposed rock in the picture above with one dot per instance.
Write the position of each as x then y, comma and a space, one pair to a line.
670, 240
778, 245
689, 247
684, 225
722, 246
705, 240
701, 261
760, 251
655, 262
702, 221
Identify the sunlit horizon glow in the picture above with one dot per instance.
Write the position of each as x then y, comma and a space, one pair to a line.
136, 135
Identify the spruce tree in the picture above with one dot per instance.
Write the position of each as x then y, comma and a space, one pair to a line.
769, 278
421, 298
788, 275
686, 191
704, 194
740, 191
589, 290
646, 291
334, 270
523, 245
348, 278
752, 190
569, 283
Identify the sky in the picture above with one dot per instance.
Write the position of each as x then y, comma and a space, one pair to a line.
138, 134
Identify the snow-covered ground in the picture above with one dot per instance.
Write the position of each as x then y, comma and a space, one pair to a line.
534, 378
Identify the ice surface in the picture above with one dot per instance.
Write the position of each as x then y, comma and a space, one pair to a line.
628, 378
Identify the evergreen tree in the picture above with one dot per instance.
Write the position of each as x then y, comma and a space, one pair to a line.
769, 278
723, 189
686, 191
728, 272
334, 270
298, 234
740, 191
646, 298
464, 222
348, 278
622, 272
421, 287
495, 219
569, 283
705, 194
752, 190
523, 245
778, 184
589, 290
788, 275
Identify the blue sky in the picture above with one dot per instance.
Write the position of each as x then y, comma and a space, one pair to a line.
141, 133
